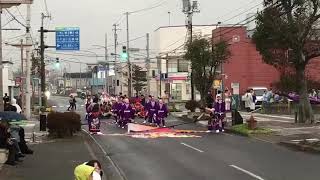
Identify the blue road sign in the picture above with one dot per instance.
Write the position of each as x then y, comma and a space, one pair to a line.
68, 38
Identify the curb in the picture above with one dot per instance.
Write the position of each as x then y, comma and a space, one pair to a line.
227, 130
299, 147
231, 131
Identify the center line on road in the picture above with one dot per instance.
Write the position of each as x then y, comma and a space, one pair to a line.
187, 145
247, 172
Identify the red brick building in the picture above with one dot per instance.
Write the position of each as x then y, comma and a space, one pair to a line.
313, 69
246, 66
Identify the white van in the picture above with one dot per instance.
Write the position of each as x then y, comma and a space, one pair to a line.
259, 91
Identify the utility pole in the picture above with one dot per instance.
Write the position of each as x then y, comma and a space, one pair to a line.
107, 62
190, 26
22, 76
28, 63
148, 63
115, 35
129, 64
189, 10
43, 65
1, 65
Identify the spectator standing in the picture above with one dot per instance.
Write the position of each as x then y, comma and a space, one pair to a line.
6, 101
227, 99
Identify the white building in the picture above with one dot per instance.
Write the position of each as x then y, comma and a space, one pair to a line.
169, 43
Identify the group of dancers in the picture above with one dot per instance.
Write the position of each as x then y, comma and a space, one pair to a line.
153, 111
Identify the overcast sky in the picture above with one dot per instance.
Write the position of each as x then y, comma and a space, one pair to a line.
96, 17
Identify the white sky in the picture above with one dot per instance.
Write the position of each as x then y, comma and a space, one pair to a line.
96, 17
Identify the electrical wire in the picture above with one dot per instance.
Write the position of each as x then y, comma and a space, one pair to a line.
16, 18
235, 10
161, 3
17, 7
230, 29
46, 7
209, 27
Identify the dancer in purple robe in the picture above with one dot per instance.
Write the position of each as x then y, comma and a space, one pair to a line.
162, 113
119, 108
151, 107
219, 113
114, 109
127, 113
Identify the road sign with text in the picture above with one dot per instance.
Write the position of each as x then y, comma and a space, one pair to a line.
68, 39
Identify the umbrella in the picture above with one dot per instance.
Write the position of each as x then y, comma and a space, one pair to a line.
11, 116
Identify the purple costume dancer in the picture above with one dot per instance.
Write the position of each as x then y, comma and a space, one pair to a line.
127, 114
114, 109
162, 113
219, 113
152, 107
119, 108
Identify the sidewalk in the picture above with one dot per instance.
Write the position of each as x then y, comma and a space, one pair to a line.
52, 160
285, 131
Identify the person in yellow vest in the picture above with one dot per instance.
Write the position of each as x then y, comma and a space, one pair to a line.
88, 171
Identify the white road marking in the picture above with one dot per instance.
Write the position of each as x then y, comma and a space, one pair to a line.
187, 145
54, 106
61, 106
247, 172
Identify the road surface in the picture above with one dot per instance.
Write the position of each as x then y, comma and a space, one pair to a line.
211, 156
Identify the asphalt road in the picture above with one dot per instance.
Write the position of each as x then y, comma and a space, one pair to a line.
60, 103
212, 156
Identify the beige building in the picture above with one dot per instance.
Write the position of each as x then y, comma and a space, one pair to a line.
172, 70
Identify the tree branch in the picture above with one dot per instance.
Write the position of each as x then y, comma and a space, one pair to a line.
313, 18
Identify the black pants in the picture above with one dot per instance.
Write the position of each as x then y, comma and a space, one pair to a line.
73, 106
12, 153
23, 144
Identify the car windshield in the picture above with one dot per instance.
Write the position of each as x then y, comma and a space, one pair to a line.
259, 92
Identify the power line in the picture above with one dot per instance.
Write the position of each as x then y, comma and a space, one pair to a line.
210, 27
161, 3
46, 7
16, 19
134, 39
243, 12
17, 7
228, 30
235, 10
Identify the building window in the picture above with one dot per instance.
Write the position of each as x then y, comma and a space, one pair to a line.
172, 66
188, 88
176, 91
183, 66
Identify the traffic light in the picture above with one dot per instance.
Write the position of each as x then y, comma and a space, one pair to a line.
124, 54
57, 64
